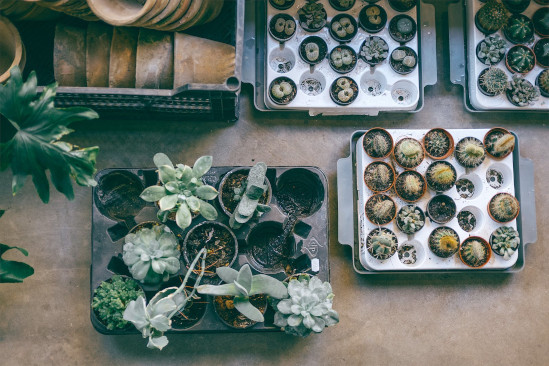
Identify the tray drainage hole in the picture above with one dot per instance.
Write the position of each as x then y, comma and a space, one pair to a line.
373, 84
411, 253
312, 83
282, 60
470, 219
469, 186
498, 176
404, 93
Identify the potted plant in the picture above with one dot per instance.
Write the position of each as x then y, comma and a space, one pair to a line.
343, 59
403, 60
282, 4
342, 5
499, 143
541, 50
441, 176
380, 209
111, 298
282, 90
313, 50
343, 28
408, 153
402, 5
470, 152
519, 29
379, 176
374, 50
491, 17
516, 6
467, 220
541, 22
492, 81
282, 27
475, 252
312, 16
377, 143
193, 311
441, 209
381, 243
542, 82
443, 241
505, 241
402, 28
521, 93
438, 143
410, 219
233, 186
503, 208
520, 59
372, 18
344, 90
491, 50
410, 186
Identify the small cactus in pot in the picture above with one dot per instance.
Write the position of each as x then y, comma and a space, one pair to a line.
441, 176
342, 5
475, 252
379, 176
282, 27
520, 59
516, 6
492, 81
505, 241
377, 143
438, 143
343, 59
402, 28
503, 207
380, 209
408, 153
343, 27
381, 243
491, 50
499, 143
541, 50
410, 186
372, 18
542, 81
521, 92
491, 17
410, 219
444, 242
519, 29
470, 152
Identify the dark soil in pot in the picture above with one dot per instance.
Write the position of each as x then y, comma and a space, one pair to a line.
467, 220
519, 29
377, 143
441, 176
438, 143
465, 188
542, 81
541, 50
282, 27
403, 62
379, 176
402, 28
270, 247
235, 180
372, 18
282, 4
343, 59
117, 195
441, 209
282, 90
402, 5
541, 21
516, 6
299, 192
344, 91
380, 209
224, 307
410, 186
343, 28
193, 311
342, 5
313, 50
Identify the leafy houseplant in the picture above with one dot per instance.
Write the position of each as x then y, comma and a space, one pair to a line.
519, 29
475, 252
521, 92
312, 16
491, 50
410, 219
182, 191
503, 208
444, 242
470, 152
492, 81
13, 271
491, 17
520, 59
505, 241
408, 153
35, 145
374, 50
381, 243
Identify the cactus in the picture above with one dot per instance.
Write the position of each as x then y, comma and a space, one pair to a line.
409, 153
378, 177
444, 242
519, 28
382, 243
521, 92
313, 14
410, 219
470, 152
412, 184
474, 253
521, 59
492, 16
500, 143
491, 50
442, 174
493, 81
374, 50
376, 144
437, 143
382, 209
504, 207
505, 241
543, 80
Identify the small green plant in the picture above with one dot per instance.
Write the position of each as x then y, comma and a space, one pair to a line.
492, 16
444, 242
282, 89
521, 59
474, 253
519, 28
341, 58
182, 191
377, 144
374, 50
442, 174
504, 207
505, 241
500, 143
112, 297
249, 196
381, 244
470, 152
152, 255
408, 153
522, 92
374, 15
410, 219
543, 80
437, 143
313, 14
343, 28
491, 50
378, 177
404, 26
286, 26
494, 81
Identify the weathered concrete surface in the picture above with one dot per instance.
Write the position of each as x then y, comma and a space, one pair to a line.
408, 320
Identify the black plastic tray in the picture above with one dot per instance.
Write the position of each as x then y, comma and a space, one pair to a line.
310, 252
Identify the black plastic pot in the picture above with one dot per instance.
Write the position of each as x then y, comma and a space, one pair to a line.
400, 35
402, 5
483, 30
224, 191
400, 224
367, 22
337, 6
514, 68
281, 36
516, 6
303, 22
539, 50
286, 98
441, 209
544, 92
540, 23
287, 4
373, 61
398, 66
322, 50
527, 38
480, 87
348, 36
501, 56
344, 69
336, 88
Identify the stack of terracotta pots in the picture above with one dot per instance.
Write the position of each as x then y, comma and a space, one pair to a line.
12, 51
75, 8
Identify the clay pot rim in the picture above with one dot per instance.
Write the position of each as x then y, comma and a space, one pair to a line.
456, 154
392, 200
484, 242
100, 12
19, 50
490, 212
379, 162
383, 130
507, 60
450, 137
409, 171
495, 129
422, 149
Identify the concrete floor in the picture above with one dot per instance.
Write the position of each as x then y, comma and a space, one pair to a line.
412, 320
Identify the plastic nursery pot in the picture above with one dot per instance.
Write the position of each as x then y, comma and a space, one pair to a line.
402, 28
194, 310
234, 179
117, 195
227, 313
516, 6
542, 81
403, 63
486, 60
438, 143
509, 211
381, 252
367, 48
219, 241
541, 25
343, 28
344, 91
540, 50
441, 209
410, 186
481, 83
12, 51
380, 209
377, 143
313, 50
414, 162
282, 90
379, 176
501, 137
475, 252
466, 152
491, 11
312, 16
446, 174
542, 2
269, 247
299, 192
337, 4
402, 5
525, 53
443, 241
144, 225
401, 224
282, 4
526, 32
372, 18
343, 59
509, 247
282, 27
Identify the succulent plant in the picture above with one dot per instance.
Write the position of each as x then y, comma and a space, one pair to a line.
521, 59
500, 143
504, 207
493, 81
442, 175
410, 219
282, 89
492, 16
152, 255
346, 92
444, 242
182, 191
437, 143
402, 5
409, 153
111, 298
412, 184
519, 28
374, 50
474, 252
343, 27
241, 284
374, 15
344, 3
470, 152
313, 14
286, 26
377, 144
491, 50
308, 308
522, 92
543, 81
505, 241
250, 194
381, 243
342, 58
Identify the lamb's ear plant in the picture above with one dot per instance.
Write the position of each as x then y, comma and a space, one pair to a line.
35, 146
182, 191
242, 284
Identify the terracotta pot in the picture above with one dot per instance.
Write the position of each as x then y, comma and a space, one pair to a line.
374, 129
408, 167
154, 60
98, 52
449, 135
385, 222
390, 168
123, 58
503, 222
422, 179
122, 12
12, 52
496, 129
69, 55
486, 246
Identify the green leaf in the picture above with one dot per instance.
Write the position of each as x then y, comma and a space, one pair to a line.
247, 309
183, 216
207, 211
228, 289
166, 174
186, 175
162, 159
227, 274
168, 202
255, 192
206, 192
194, 203
153, 193
13, 271
35, 147
263, 284
202, 165
245, 277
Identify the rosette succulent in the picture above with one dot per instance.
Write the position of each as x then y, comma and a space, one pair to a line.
505, 241
374, 50
313, 15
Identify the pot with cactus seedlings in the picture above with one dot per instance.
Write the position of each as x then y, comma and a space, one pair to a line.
313, 50
475, 252
408, 153
438, 143
521, 93
380, 209
342, 5
377, 143
542, 82
282, 90
503, 208
344, 91
312, 16
372, 18
470, 152
282, 4
444, 241
492, 81
499, 143
410, 186
410, 219
343, 59
441, 176
520, 59
541, 50
374, 50
491, 50
379, 176
381, 243
519, 29
343, 28
491, 17
541, 22
516, 6
403, 60
282, 27
233, 187
441, 209
505, 241
402, 28
402, 5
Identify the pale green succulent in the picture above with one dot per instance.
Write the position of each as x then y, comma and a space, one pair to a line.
505, 241
182, 191
382, 244
249, 195
409, 153
411, 218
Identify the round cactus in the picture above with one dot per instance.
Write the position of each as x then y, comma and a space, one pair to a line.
444, 242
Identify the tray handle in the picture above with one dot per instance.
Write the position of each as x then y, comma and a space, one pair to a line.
528, 200
456, 37
249, 51
428, 45
345, 207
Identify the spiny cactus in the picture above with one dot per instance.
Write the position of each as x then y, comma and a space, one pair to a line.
410, 219
376, 144
491, 50
504, 207
505, 241
313, 15
412, 184
543, 81
470, 152
409, 153
521, 92
379, 177
500, 143
493, 81
474, 253
519, 28
382, 243
382, 209
442, 174
492, 16
444, 242
521, 59
437, 143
